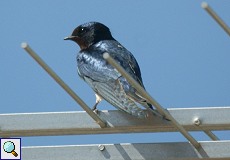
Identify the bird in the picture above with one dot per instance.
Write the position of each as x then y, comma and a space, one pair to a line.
94, 39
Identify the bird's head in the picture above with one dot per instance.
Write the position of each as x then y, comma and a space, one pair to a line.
90, 33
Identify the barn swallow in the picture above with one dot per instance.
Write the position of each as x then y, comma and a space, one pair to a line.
94, 39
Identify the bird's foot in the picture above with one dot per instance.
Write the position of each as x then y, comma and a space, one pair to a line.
95, 111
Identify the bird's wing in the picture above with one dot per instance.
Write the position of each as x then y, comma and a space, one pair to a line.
93, 66
106, 81
125, 59
113, 93
129, 63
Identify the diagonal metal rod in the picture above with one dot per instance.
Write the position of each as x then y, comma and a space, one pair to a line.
227, 30
216, 17
142, 91
62, 84
211, 135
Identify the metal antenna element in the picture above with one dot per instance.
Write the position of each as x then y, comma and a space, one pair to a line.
211, 135
62, 84
216, 17
212, 13
142, 91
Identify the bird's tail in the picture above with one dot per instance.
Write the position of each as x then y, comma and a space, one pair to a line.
155, 112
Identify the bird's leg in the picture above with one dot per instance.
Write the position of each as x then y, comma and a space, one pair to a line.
98, 100
95, 105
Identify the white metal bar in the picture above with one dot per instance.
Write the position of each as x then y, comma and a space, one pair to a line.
150, 99
62, 84
216, 17
153, 151
73, 123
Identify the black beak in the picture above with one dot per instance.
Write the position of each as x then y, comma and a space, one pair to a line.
70, 38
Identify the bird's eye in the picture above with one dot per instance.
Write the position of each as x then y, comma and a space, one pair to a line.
82, 30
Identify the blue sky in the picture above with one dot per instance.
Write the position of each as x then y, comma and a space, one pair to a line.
183, 55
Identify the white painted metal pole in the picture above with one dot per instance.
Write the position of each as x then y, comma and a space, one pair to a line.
216, 17
142, 91
62, 84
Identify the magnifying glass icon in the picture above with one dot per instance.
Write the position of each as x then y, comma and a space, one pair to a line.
9, 147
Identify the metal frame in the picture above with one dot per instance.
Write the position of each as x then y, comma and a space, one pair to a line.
153, 151
73, 123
